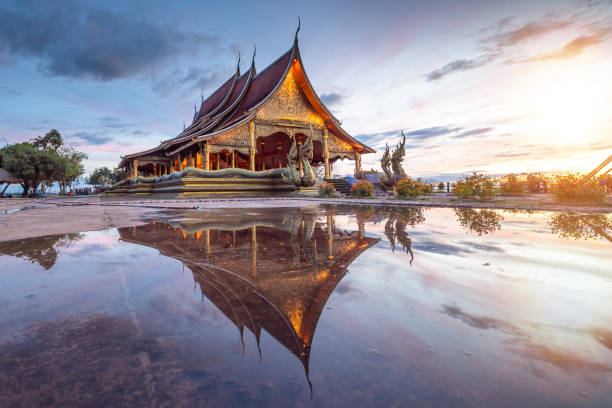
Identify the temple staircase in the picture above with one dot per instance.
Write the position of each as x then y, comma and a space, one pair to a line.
342, 186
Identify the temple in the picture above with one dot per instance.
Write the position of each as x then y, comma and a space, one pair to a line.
257, 132
273, 274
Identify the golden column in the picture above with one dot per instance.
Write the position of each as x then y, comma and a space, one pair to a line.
207, 241
135, 175
233, 153
180, 163
330, 238
263, 156
252, 146
206, 157
326, 154
357, 163
217, 161
254, 251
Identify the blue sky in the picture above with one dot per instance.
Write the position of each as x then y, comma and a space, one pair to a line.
495, 86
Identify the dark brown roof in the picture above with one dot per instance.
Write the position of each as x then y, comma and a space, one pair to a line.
6, 177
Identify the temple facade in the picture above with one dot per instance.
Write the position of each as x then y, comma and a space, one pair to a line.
248, 135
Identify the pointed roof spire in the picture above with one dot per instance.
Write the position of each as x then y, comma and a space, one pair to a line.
254, 53
298, 29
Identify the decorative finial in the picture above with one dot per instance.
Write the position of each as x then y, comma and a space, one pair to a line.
254, 53
202, 96
298, 29
183, 125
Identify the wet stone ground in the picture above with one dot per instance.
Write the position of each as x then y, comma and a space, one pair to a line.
314, 306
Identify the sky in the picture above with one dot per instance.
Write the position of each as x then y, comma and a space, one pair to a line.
489, 86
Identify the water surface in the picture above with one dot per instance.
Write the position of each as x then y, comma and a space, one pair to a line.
319, 306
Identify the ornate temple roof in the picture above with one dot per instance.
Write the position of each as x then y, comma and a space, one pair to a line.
238, 97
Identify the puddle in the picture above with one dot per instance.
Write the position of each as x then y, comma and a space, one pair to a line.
336, 306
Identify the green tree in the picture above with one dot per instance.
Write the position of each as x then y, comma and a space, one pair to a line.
72, 167
51, 141
102, 176
30, 165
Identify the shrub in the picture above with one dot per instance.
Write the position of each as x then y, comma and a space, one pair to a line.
327, 189
476, 185
511, 184
572, 188
537, 183
441, 186
362, 188
408, 187
606, 181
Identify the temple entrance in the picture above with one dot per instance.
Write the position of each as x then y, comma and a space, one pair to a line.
272, 151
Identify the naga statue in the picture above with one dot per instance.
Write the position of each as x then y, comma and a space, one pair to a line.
292, 173
385, 163
397, 158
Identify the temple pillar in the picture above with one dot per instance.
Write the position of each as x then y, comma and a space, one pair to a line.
233, 161
254, 251
180, 163
207, 241
252, 146
206, 157
217, 161
326, 154
279, 148
263, 156
330, 238
357, 164
135, 175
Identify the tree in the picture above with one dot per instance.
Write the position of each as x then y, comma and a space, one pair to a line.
72, 167
30, 165
100, 177
51, 141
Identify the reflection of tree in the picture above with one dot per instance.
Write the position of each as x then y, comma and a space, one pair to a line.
43, 250
395, 227
577, 226
480, 221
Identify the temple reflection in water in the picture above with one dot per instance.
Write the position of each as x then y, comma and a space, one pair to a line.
275, 274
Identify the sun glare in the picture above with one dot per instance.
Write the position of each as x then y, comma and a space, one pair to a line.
570, 107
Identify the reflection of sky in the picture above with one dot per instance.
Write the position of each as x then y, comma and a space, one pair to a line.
516, 317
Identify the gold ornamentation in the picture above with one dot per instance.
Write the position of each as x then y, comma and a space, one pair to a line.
289, 103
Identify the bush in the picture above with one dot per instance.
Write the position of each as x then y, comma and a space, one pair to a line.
327, 189
409, 188
572, 188
475, 185
441, 186
537, 183
362, 188
511, 184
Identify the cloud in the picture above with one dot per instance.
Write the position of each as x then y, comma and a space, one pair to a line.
473, 132
91, 138
195, 79
458, 65
92, 43
332, 98
507, 35
114, 123
526, 32
571, 49
427, 133
5, 90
